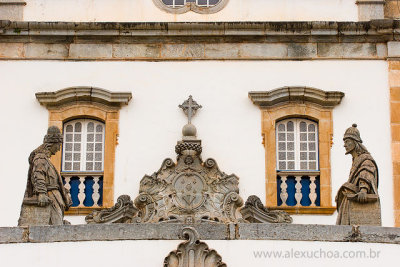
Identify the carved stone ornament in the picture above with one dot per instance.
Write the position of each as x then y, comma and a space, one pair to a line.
190, 5
357, 200
45, 198
255, 212
122, 212
190, 190
193, 253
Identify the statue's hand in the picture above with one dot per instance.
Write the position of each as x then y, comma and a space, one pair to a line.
43, 200
362, 196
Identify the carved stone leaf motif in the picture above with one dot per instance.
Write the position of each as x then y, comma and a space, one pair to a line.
193, 253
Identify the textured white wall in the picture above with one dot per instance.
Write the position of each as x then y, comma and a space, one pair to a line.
145, 10
229, 124
233, 253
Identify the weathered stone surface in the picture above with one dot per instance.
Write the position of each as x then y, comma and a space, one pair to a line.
393, 49
302, 50
46, 51
136, 51
381, 50
221, 51
263, 231
207, 231
260, 51
182, 51
13, 235
347, 50
212, 231
11, 50
90, 51
379, 234
368, 10
12, 10
357, 199
193, 253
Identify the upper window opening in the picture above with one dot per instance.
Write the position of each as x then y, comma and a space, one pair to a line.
180, 3
297, 145
83, 149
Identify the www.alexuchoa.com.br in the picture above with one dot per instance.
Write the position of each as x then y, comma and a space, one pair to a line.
317, 254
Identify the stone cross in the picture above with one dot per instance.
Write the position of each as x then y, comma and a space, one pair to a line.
190, 108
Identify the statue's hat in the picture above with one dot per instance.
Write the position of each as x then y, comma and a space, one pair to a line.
353, 133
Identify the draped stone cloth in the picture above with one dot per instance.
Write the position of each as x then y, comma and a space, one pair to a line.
363, 174
43, 178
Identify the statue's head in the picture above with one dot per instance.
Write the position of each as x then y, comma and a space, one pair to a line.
352, 141
53, 139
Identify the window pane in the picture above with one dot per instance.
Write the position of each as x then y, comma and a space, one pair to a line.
68, 156
68, 137
303, 165
281, 127
90, 127
77, 166
282, 146
99, 128
68, 166
98, 157
303, 137
290, 165
90, 137
69, 129
290, 137
77, 137
282, 155
68, 147
89, 166
312, 165
311, 156
281, 137
290, 146
97, 166
290, 126
98, 147
311, 146
290, 155
77, 156
89, 147
89, 156
303, 127
99, 137
303, 146
311, 137
282, 165
78, 127
303, 155
311, 128
77, 147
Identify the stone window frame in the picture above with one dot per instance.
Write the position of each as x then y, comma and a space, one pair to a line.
92, 103
298, 102
191, 7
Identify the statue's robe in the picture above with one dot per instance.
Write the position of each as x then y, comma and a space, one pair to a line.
363, 174
43, 178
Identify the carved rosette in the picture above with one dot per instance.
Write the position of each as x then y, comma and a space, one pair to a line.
193, 253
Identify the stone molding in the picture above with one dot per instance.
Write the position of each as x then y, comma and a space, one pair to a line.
296, 94
191, 7
197, 41
83, 93
206, 231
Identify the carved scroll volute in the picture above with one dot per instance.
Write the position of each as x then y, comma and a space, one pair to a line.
193, 253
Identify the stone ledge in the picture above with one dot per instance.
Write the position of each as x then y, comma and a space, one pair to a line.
165, 231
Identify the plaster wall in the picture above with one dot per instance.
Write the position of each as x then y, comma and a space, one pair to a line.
146, 11
228, 124
234, 253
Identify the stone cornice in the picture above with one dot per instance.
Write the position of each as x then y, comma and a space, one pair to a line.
327, 99
375, 30
215, 231
82, 93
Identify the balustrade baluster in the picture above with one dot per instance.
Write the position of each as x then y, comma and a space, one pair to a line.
313, 194
81, 195
96, 187
68, 184
298, 196
284, 194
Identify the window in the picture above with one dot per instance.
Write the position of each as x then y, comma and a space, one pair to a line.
89, 118
83, 148
297, 147
297, 129
198, 6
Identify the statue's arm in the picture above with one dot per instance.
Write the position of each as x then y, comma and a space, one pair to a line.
39, 172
